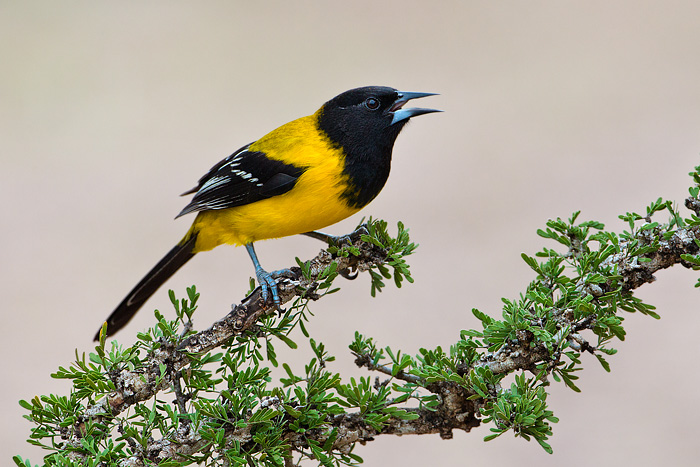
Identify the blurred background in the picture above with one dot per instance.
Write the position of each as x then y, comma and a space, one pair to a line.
108, 111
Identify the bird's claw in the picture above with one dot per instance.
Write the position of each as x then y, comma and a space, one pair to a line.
268, 284
338, 241
362, 230
348, 238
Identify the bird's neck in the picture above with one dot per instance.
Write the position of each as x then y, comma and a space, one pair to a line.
367, 158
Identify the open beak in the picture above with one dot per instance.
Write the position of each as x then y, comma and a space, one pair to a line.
401, 114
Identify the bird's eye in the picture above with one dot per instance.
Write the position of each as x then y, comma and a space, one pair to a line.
372, 103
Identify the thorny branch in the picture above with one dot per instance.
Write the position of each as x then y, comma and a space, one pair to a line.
455, 410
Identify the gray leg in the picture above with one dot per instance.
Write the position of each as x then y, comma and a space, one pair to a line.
265, 279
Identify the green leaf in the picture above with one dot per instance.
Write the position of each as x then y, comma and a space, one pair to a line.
532, 262
483, 317
603, 362
290, 343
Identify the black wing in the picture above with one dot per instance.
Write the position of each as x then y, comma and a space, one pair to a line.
244, 177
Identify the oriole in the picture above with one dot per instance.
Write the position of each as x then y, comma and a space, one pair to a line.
303, 176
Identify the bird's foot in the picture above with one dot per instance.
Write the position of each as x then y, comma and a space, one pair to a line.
338, 240
352, 236
268, 286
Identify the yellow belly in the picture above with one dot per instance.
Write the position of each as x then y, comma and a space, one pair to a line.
288, 214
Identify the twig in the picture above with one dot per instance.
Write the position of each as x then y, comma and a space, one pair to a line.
363, 360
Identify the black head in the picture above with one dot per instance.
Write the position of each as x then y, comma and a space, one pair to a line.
364, 123
369, 115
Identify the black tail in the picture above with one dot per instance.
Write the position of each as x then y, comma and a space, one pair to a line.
156, 277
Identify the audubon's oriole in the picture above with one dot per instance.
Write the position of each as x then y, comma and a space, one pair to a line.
305, 175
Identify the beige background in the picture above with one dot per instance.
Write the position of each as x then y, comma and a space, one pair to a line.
109, 111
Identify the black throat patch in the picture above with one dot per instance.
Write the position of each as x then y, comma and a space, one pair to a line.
367, 144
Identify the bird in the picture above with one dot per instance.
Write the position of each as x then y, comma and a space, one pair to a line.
301, 177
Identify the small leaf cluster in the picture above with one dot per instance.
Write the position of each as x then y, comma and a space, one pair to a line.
694, 220
522, 409
407, 381
397, 249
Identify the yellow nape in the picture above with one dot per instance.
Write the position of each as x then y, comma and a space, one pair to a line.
315, 201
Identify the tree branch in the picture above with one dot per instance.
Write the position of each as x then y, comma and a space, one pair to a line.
456, 408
